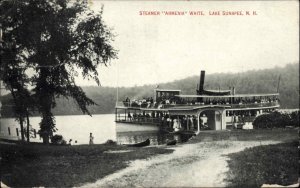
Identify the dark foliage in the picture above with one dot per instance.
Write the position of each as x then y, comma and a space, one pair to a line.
58, 140
260, 81
55, 40
277, 120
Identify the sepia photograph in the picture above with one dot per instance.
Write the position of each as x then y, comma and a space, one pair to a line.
149, 93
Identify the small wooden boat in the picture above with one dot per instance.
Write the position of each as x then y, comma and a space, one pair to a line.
172, 132
182, 132
140, 144
171, 142
186, 132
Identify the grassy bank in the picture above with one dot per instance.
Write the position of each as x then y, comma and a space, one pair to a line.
65, 166
271, 164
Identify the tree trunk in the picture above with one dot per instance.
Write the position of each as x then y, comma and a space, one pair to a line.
45, 102
22, 129
47, 124
28, 124
46, 139
20, 116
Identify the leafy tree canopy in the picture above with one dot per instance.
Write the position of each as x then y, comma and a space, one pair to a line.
54, 41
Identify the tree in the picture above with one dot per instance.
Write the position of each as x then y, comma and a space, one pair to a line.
18, 93
15, 79
56, 40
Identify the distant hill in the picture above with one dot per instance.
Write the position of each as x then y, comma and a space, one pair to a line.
256, 81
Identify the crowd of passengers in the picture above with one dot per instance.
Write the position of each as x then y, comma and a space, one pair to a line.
228, 101
145, 102
149, 102
175, 123
169, 122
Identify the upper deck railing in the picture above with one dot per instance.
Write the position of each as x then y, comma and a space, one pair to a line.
240, 105
165, 106
136, 105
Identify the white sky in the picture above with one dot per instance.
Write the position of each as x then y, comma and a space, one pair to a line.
155, 49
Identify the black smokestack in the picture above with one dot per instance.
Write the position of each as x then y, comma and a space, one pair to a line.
201, 85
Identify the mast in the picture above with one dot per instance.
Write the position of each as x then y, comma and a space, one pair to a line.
1, 34
278, 83
0, 97
117, 84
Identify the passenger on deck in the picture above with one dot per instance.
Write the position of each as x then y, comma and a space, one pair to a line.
129, 116
151, 100
191, 123
175, 125
153, 114
167, 101
169, 122
184, 122
179, 124
148, 104
134, 116
127, 101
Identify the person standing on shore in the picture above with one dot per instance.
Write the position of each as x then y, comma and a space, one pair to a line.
91, 139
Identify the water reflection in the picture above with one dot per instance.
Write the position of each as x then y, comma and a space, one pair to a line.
102, 126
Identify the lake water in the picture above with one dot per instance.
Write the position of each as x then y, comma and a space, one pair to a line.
79, 127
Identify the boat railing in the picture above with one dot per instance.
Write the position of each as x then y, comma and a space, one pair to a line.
139, 119
164, 106
172, 105
123, 104
252, 105
134, 104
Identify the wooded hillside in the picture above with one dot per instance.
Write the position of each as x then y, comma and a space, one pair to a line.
256, 81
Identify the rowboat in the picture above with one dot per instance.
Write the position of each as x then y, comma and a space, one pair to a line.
140, 144
171, 142
181, 132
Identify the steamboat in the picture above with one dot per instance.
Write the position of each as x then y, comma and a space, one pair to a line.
205, 110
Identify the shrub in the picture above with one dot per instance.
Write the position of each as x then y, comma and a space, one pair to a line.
277, 120
111, 142
295, 118
58, 140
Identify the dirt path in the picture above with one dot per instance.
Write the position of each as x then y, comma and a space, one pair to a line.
191, 165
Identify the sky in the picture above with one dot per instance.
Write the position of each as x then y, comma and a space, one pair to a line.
161, 48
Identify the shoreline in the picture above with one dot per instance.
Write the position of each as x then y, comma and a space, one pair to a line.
288, 110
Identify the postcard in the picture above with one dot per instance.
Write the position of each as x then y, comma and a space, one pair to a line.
144, 93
